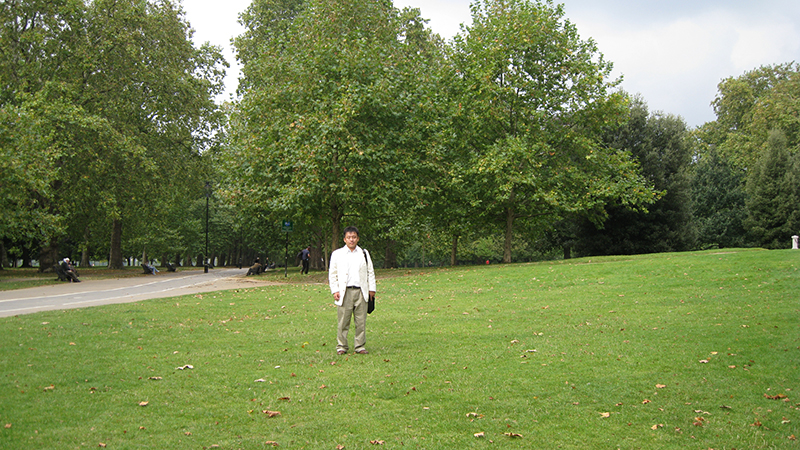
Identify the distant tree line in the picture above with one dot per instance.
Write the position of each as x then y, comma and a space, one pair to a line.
509, 143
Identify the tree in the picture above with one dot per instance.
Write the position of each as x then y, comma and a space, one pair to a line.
660, 144
772, 216
328, 123
122, 102
750, 106
534, 99
718, 200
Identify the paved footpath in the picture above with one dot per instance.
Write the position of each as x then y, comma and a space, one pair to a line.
122, 290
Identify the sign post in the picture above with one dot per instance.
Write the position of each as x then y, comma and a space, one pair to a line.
287, 227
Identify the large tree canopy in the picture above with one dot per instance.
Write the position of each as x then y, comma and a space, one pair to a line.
122, 103
331, 99
535, 99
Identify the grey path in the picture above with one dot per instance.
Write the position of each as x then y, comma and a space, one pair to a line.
121, 290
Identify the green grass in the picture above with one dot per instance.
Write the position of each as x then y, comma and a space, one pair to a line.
17, 278
542, 350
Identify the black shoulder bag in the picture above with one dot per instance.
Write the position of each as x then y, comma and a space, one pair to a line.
371, 300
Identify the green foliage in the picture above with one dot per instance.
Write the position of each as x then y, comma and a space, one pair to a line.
332, 110
772, 210
750, 106
718, 197
610, 352
533, 100
659, 143
120, 103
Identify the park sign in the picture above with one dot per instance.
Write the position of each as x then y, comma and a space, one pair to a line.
287, 226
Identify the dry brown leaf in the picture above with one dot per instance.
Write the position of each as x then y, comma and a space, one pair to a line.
143, 403
771, 397
605, 415
50, 388
513, 435
340, 447
479, 435
645, 401
155, 378
271, 413
377, 442
8, 425
101, 445
260, 380
188, 433
187, 366
661, 386
285, 399
272, 443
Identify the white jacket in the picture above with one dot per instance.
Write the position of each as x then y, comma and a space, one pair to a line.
337, 274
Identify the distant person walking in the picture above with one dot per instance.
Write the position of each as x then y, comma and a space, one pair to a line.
304, 257
352, 281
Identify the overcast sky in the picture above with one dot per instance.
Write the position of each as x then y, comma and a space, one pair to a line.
673, 53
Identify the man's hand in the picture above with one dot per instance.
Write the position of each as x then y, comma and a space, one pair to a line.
336, 296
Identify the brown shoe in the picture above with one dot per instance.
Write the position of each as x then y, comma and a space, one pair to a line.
363, 351
341, 352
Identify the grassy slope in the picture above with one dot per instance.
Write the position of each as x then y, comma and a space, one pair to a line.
586, 353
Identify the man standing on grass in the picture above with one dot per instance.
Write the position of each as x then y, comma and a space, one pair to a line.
352, 281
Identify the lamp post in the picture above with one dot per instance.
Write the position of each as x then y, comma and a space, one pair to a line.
205, 255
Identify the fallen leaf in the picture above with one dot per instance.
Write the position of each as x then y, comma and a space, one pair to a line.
50, 388
260, 380
144, 403
792, 438
645, 401
101, 445
8, 425
272, 443
757, 423
513, 435
188, 433
479, 435
605, 415
187, 366
155, 378
661, 386
286, 399
271, 413
377, 442
657, 426
703, 361
771, 397
340, 447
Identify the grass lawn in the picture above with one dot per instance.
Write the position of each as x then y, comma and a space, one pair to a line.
18, 278
670, 351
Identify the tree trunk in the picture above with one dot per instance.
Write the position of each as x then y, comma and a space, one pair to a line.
48, 254
509, 234
336, 234
115, 258
3, 255
454, 252
390, 260
85, 252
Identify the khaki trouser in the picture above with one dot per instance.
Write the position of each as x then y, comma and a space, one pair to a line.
353, 305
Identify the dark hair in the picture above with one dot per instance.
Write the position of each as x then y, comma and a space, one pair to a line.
350, 229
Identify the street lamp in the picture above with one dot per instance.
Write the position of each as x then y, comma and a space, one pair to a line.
205, 255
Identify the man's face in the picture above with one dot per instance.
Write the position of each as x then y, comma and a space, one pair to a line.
351, 240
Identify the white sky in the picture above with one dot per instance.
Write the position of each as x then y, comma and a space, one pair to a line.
673, 53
